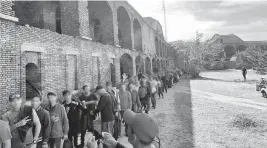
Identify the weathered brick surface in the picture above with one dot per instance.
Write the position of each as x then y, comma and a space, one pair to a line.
66, 61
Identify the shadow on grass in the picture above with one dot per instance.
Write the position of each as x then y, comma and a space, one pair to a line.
221, 80
184, 115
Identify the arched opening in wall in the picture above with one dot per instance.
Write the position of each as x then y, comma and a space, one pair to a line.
101, 22
162, 65
124, 28
126, 64
159, 48
58, 19
156, 46
158, 64
33, 81
139, 64
148, 66
154, 65
112, 72
137, 35
229, 51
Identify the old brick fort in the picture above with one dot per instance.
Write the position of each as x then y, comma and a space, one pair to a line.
74, 43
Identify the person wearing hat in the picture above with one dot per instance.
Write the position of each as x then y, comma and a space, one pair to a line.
142, 131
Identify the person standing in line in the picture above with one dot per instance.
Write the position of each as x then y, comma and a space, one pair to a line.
116, 109
160, 87
22, 119
89, 101
164, 83
105, 107
73, 109
44, 118
125, 100
144, 95
5, 135
244, 72
59, 121
153, 86
135, 98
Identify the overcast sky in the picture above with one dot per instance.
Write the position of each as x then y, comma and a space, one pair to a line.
246, 19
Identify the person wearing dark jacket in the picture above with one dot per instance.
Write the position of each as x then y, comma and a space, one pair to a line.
21, 120
164, 83
105, 107
59, 121
73, 109
44, 118
144, 95
87, 118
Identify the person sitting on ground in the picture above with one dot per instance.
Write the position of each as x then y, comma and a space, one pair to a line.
142, 131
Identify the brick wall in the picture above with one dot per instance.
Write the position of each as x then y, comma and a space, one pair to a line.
9, 62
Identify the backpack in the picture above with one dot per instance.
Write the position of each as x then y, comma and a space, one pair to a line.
67, 144
115, 101
142, 92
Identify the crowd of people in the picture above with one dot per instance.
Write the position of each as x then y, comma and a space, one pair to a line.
50, 123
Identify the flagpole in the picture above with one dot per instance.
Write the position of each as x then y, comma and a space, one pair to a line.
165, 22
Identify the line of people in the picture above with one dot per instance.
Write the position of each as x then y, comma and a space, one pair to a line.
38, 124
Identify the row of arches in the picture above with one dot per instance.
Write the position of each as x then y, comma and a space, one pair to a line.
146, 65
161, 48
101, 18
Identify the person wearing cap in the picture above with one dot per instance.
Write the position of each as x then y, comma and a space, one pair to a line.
105, 107
22, 119
142, 131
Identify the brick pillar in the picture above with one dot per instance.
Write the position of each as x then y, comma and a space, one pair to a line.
134, 65
132, 34
117, 69
9, 56
84, 18
75, 18
115, 26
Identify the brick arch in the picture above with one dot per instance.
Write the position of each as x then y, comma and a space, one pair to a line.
126, 64
148, 65
137, 28
124, 28
140, 65
101, 18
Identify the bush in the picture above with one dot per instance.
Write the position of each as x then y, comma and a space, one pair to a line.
243, 122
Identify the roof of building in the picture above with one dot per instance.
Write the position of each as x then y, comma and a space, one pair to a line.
227, 39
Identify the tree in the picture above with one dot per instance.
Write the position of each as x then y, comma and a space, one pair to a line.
194, 52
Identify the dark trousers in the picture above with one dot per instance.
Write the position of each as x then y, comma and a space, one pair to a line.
160, 89
146, 105
73, 138
55, 142
82, 138
153, 99
39, 145
165, 88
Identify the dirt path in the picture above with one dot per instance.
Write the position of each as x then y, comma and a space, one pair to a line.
174, 116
